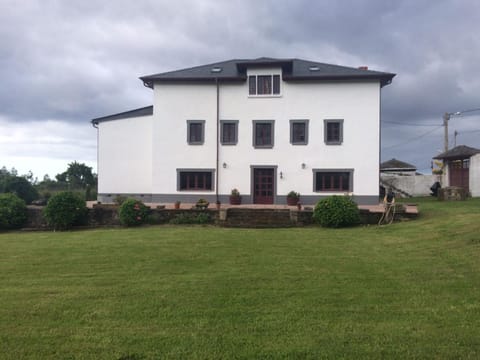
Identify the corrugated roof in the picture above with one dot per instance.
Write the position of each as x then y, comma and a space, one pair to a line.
145, 111
457, 153
394, 164
293, 70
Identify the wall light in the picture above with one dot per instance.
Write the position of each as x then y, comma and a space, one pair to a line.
304, 165
224, 165
281, 175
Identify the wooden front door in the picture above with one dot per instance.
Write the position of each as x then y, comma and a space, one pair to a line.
459, 173
263, 185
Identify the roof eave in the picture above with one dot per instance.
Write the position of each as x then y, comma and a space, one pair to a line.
140, 112
384, 79
398, 169
150, 81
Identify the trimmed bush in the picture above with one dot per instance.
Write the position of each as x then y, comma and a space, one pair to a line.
64, 210
336, 211
133, 212
13, 212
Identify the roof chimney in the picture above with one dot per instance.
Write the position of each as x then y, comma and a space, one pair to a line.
363, 67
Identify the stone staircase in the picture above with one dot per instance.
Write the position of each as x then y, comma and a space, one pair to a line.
244, 217
398, 192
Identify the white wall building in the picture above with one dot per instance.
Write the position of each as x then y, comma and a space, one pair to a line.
263, 126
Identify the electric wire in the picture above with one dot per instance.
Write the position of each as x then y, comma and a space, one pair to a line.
409, 124
413, 139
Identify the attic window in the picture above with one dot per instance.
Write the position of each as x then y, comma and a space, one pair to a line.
264, 85
216, 69
314, 68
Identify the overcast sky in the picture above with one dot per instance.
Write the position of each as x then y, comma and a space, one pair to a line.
63, 63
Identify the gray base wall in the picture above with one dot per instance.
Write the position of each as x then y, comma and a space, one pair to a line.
225, 199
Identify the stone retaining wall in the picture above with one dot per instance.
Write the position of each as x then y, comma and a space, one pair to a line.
107, 215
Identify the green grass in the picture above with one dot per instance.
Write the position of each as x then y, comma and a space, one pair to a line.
409, 290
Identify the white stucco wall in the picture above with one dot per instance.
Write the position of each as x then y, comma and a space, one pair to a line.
125, 156
475, 175
357, 103
173, 106
414, 185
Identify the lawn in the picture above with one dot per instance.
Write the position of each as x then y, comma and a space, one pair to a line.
409, 290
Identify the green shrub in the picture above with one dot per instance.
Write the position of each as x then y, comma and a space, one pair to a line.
293, 194
336, 211
195, 218
64, 210
13, 212
133, 212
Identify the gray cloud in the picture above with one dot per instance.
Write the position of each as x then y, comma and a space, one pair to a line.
72, 61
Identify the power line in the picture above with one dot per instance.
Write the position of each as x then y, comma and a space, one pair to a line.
415, 138
467, 131
465, 111
410, 124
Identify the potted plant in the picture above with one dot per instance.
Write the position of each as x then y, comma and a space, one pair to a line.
177, 205
235, 198
293, 198
202, 204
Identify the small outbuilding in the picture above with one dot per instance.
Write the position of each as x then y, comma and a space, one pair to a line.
402, 178
462, 168
394, 166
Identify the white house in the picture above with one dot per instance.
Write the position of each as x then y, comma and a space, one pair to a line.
263, 126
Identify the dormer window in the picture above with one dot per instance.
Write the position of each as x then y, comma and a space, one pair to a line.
264, 85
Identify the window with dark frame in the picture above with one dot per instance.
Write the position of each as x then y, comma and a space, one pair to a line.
264, 85
263, 134
460, 164
229, 132
299, 132
195, 132
195, 180
276, 84
333, 132
252, 85
333, 181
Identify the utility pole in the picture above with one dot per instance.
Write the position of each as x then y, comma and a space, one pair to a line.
446, 117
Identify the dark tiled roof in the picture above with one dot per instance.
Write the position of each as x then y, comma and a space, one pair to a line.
145, 111
457, 153
394, 164
293, 70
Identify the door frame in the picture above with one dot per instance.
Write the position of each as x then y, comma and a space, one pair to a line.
252, 180
461, 173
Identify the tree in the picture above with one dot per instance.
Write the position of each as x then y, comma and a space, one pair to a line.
78, 176
22, 186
